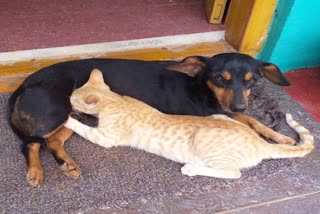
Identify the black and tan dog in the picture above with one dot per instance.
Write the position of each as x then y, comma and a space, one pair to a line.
221, 84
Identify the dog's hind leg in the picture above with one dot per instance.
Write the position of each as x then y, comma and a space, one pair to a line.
35, 172
56, 146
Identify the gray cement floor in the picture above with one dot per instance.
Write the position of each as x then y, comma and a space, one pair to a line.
125, 180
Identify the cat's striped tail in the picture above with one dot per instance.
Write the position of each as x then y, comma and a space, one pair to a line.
306, 138
303, 148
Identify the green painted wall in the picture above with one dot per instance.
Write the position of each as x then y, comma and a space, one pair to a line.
294, 37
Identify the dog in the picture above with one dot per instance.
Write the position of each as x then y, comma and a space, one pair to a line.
196, 85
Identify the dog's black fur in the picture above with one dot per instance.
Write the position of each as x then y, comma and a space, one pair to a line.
41, 104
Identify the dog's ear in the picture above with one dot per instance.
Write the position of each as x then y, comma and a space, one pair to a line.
191, 66
273, 74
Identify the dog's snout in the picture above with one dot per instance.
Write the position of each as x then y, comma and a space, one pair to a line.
238, 107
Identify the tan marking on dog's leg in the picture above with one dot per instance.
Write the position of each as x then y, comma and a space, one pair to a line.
56, 146
264, 130
35, 172
53, 132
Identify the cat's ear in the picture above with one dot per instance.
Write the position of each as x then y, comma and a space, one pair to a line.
92, 99
96, 77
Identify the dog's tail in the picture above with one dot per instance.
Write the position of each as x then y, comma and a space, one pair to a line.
305, 146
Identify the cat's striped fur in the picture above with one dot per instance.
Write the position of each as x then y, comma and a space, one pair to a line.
214, 146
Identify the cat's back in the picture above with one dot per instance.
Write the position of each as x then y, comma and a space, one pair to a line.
212, 121
152, 119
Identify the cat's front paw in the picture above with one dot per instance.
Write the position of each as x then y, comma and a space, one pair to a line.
70, 123
188, 169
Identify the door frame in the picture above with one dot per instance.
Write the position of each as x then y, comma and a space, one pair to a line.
248, 23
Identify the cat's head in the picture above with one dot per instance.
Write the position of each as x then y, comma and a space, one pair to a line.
87, 99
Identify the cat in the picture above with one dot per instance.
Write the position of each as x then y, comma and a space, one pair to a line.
215, 146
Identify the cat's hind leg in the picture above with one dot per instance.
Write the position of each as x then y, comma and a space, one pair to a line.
211, 171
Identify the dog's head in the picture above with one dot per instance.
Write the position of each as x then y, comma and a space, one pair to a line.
230, 76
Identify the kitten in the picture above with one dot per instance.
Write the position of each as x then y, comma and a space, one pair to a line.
215, 146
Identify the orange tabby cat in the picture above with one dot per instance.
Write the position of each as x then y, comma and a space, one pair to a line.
214, 146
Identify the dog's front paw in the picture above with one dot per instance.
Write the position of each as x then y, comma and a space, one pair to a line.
71, 170
34, 176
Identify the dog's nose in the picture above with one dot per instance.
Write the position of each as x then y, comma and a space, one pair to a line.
238, 107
